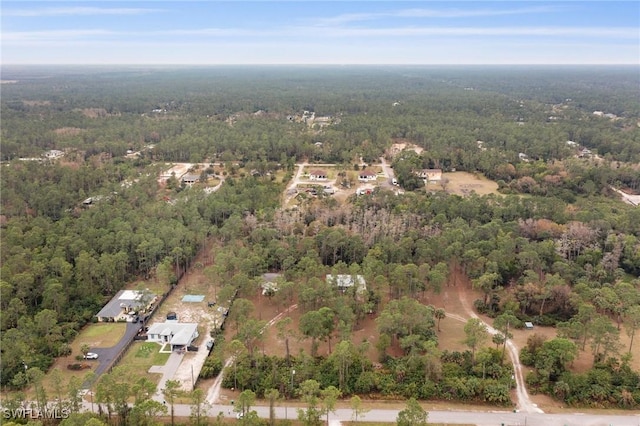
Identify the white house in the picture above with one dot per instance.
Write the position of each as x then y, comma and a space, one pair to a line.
178, 334
318, 175
366, 176
269, 284
53, 154
345, 281
431, 175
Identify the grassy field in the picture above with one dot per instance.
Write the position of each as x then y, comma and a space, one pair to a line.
464, 183
139, 358
100, 335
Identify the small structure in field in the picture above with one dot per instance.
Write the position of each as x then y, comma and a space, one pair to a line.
269, 284
430, 175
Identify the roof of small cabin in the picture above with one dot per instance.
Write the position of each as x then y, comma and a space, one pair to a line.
190, 177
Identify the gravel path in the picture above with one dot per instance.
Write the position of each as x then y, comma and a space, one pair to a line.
213, 395
524, 402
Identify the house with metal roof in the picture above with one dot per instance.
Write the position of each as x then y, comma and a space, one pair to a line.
126, 306
179, 335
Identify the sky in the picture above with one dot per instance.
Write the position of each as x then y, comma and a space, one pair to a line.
319, 32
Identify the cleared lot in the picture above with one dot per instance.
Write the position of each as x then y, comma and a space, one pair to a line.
464, 183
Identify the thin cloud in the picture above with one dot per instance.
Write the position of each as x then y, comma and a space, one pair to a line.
58, 35
333, 32
432, 13
467, 13
605, 32
76, 11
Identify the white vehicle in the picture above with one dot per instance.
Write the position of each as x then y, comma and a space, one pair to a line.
91, 355
394, 181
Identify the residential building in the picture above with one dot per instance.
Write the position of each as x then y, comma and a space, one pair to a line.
346, 281
318, 175
180, 335
431, 175
126, 305
366, 176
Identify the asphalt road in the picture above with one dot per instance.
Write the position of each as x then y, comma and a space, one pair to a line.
495, 418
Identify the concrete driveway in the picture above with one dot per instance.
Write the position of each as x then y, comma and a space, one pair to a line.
168, 371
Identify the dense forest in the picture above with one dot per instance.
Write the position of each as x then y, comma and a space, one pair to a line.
555, 247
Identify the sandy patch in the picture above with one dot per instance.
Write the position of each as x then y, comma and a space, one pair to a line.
68, 131
464, 183
401, 144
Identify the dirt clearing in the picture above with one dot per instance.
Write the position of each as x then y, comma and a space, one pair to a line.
464, 183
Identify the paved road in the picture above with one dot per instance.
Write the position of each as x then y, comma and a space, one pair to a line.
495, 418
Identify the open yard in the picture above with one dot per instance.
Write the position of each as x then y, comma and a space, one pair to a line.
145, 354
95, 335
464, 183
139, 358
101, 335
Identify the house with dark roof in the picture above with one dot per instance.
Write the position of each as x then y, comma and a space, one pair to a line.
318, 175
126, 306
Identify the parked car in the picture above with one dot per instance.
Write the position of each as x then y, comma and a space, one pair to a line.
91, 355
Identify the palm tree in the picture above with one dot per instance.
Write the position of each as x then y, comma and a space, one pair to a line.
439, 314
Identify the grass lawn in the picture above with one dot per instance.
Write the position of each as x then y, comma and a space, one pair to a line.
99, 335
139, 359
147, 353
